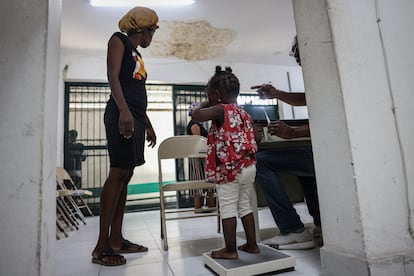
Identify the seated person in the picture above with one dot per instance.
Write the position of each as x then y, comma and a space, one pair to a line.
196, 165
195, 128
296, 161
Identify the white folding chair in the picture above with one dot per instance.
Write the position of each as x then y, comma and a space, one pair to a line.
65, 183
182, 147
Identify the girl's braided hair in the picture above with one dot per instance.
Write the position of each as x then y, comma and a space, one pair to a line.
224, 81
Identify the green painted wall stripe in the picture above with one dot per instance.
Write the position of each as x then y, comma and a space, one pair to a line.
134, 189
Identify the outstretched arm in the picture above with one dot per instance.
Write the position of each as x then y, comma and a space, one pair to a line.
267, 91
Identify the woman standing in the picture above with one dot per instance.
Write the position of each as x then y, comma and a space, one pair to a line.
126, 124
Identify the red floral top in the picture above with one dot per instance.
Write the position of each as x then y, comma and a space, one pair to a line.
231, 146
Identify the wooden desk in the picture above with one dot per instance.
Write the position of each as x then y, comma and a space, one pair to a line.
285, 143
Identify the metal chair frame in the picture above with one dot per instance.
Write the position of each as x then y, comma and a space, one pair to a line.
182, 147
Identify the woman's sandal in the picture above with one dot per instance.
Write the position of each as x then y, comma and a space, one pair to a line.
109, 258
130, 247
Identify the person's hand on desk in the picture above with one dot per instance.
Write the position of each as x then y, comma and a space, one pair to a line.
281, 129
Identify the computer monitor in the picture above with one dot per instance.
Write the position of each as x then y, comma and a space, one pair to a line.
258, 112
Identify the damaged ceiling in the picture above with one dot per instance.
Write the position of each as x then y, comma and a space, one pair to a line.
192, 40
243, 31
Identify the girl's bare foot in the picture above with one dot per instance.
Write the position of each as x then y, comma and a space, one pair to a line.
254, 249
223, 254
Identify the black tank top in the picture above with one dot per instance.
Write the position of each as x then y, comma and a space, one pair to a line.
132, 77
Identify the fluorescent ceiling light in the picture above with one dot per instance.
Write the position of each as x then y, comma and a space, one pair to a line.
133, 3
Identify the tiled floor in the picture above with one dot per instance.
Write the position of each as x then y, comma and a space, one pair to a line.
188, 239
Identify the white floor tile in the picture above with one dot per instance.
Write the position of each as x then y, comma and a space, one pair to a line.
188, 239
152, 269
191, 266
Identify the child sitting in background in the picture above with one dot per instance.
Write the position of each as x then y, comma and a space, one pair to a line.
231, 160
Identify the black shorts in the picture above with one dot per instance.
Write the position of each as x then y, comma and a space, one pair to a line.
123, 153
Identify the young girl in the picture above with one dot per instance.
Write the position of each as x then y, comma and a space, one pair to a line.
231, 161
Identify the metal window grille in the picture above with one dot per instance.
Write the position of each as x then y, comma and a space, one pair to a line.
85, 150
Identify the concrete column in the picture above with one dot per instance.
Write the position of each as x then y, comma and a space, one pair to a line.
359, 84
29, 47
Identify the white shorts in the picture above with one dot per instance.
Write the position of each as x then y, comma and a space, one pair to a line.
234, 197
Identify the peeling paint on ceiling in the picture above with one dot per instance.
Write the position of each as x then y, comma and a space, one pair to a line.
192, 40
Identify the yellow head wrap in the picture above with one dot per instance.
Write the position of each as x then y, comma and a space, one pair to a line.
137, 19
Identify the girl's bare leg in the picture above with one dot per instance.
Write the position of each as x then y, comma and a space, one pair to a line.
229, 232
250, 246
